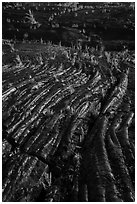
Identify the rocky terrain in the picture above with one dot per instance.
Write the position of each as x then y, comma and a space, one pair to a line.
68, 102
113, 22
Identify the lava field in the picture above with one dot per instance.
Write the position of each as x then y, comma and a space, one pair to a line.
68, 103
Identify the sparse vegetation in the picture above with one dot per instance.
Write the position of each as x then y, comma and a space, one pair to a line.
68, 130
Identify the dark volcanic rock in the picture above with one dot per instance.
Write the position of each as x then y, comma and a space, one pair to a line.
111, 22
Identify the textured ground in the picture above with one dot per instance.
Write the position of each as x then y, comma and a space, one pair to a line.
113, 22
68, 124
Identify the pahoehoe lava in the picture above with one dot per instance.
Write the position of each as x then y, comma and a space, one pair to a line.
67, 123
